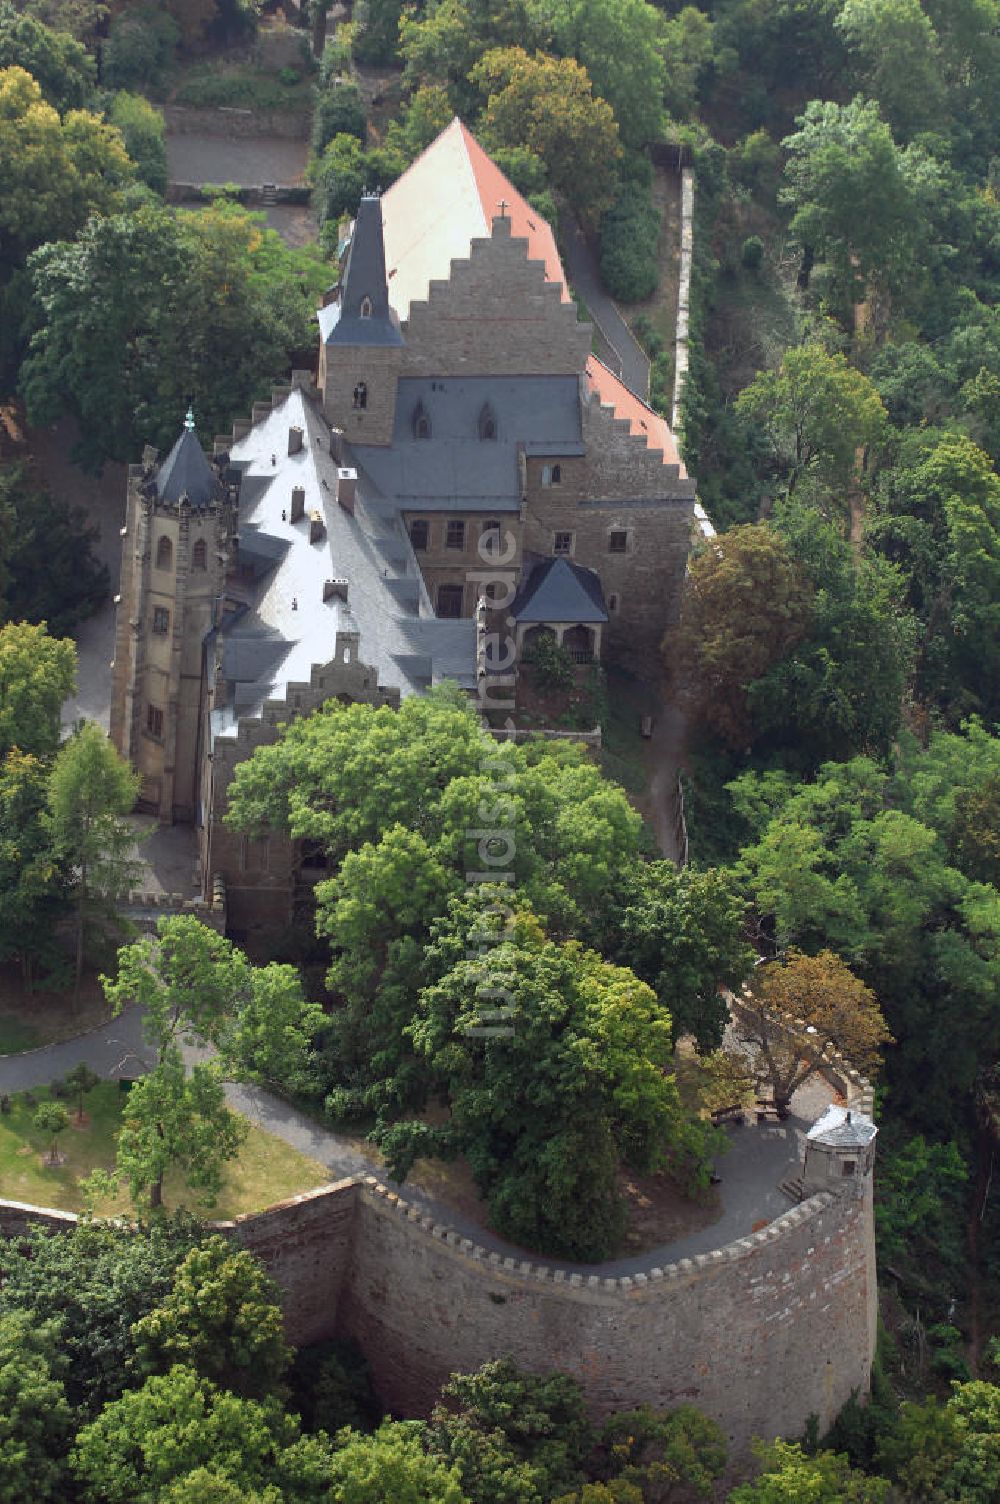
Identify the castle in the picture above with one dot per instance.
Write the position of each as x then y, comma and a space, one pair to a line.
340, 542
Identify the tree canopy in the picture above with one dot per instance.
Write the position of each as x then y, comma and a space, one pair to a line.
128, 359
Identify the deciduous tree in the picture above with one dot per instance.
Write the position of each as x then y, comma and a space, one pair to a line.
818, 412
33, 885
791, 1476
222, 1319
570, 1079
618, 42
35, 1419
130, 357
682, 932
53, 171
547, 104
745, 603
853, 204
91, 791
177, 1120
52, 1119
37, 674
833, 1004
61, 67
153, 1437
391, 1464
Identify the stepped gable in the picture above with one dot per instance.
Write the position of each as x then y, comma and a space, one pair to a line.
444, 201
643, 422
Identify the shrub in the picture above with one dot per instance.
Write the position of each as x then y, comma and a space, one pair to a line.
140, 44
339, 112
630, 233
376, 34
551, 664
336, 59
143, 133
752, 253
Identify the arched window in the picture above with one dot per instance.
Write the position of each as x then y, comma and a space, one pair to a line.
361, 395
164, 554
487, 422
199, 556
366, 307
421, 422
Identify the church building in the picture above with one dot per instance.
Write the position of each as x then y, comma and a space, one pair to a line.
333, 545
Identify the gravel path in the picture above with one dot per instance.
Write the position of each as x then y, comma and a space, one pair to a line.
250, 161
581, 268
757, 1159
115, 1049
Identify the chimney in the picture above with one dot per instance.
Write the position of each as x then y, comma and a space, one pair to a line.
294, 440
337, 444
317, 527
298, 503
335, 590
347, 486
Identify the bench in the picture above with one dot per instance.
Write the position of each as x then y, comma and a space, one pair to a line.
766, 1111
728, 1114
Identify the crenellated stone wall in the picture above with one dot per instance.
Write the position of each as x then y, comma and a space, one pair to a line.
760, 1334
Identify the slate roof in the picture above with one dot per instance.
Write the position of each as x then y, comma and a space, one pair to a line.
448, 197
454, 468
558, 590
186, 472
284, 626
842, 1128
364, 278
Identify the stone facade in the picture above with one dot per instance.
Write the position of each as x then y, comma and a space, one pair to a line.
264, 877
585, 472
174, 563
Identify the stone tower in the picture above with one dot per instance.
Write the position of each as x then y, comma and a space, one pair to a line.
840, 1151
175, 551
361, 345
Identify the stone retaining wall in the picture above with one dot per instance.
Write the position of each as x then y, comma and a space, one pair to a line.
234, 124
760, 1334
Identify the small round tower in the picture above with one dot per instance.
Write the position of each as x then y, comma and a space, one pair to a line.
840, 1151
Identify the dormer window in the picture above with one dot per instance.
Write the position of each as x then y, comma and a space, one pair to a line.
421, 422
360, 396
367, 307
487, 423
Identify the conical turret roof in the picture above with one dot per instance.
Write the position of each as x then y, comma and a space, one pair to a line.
363, 315
186, 472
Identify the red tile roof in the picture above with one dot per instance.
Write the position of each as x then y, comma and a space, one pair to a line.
493, 187
643, 422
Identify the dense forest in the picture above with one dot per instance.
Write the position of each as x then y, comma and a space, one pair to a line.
837, 650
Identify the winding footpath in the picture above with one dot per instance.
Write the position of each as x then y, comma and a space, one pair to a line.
757, 1158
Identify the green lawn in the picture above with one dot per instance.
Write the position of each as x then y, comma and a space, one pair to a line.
623, 750
266, 1171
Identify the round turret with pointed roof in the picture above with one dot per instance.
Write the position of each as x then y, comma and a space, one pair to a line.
186, 474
